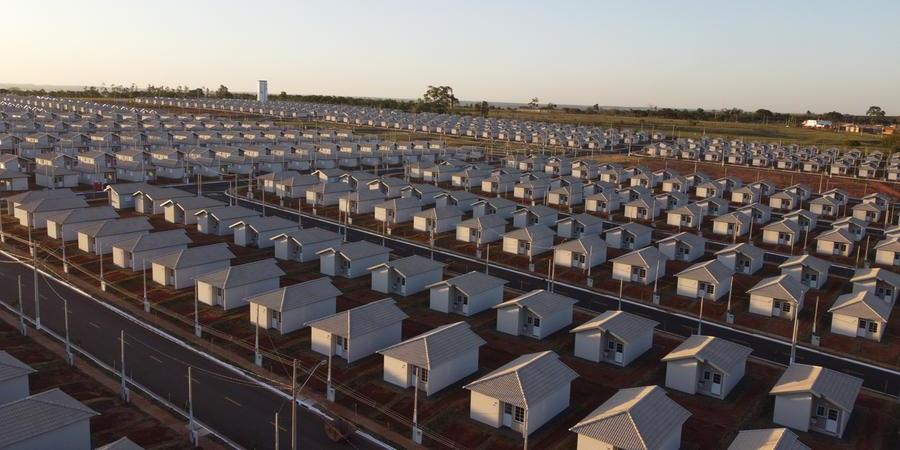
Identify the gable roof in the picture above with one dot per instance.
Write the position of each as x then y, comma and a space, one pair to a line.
526, 379
531, 233
690, 239
836, 387
265, 223
625, 326
228, 212
836, 235
116, 226
744, 248
641, 258
784, 226
152, 241
440, 212
53, 204
583, 218
712, 271
38, 414
877, 273
767, 439
411, 265
308, 235
10, 367
863, 305
297, 295
197, 202
240, 275
79, 215
631, 227
195, 256
357, 250
585, 244
435, 347
361, 320
121, 444
810, 261
540, 302
781, 287
473, 283
483, 222
634, 418
722, 354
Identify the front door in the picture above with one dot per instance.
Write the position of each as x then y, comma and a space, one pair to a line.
340, 346
536, 327
716, 387
831, 422
620, 353
507, 414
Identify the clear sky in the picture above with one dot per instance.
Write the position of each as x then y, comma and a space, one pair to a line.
788, 56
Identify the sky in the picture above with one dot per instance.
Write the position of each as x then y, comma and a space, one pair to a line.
786, 56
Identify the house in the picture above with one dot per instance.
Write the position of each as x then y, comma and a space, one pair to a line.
835, 242
867, 212
710, 280
184, 210
134, 253
480, 230
294, 186
676, 184
784, 201
121, 195
683, 246
881, 282
13, 181
784, 232
629, 236
690, 216
534, 215
57, 177
580, 253
99, 237
614, 337
466, 294
397, 211
860, 314
713, 207
13, 378
494, 206
65, 225
825, 206
351, 260
887, 251
642, 266
742, 257
807, 269
603, 202
813, 398
856, 228
362, 201
358, 332
433, 360
732, 224
779, 296
759, 213
566, 196
302, 245
804, 218
641, 418
771, 438
465, 201
706, 365
425, 193
178, 269
34, 213
326, 194
536, 314
523, 394
149, 200
745, 195
218, 220
259, 231
579, 225
499, 183
51, 419
230, 287
290, 308
644, 208
406, 276
529, 241
437, 220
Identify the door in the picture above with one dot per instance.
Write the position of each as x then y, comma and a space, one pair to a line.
620, 353
831, 422
340, 346
716, 387
507, 414
536, 327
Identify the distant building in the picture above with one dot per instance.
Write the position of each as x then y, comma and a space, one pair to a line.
817, 123
262, 93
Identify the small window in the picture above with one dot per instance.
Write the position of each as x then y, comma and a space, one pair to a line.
520, 414
537, 321
706, 375
832, 414
873, 327
863, 324
820, 411
786, 307
710, 289
717, 378
611, 344
423, 375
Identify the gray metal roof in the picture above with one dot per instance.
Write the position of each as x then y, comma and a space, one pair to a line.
10, 367
526, 379
722, 354
233, 276
531, 233
116, 226
474, 282
308, 235
361, 320
584, 219
440, 212
435, 347
812, 262
79, 215
53, 204
153, 241
625, 326
228, 212
644, 257
267, 223
30, 196
767, 439
781, 287
712, 271
121, 444
689, 239
484, 222
195, 256
297, 295
39, 414
634, 418
540, 302
412, 265
877, 273
836, 387
358, 250
585, 244
195, 202
863, 305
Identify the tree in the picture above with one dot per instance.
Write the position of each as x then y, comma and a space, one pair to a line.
595, 108
222, 92
550, 106
874, 113
440, 98
534, 103
484, 108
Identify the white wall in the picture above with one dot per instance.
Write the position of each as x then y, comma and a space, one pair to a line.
793, 411
484, 409
681, 375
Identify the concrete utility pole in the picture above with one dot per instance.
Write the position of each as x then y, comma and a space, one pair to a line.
294, 407
125, 394
193, 432
22, 328
37, 298
416, 432
257, 355
794, 338
197, 331
277, 432
70, 358
700, 317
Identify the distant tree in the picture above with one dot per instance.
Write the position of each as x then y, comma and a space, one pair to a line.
550, 106
875, 113
834, 116
484, 108
439, 99
222, 92
283, 95
534, 103
595, 108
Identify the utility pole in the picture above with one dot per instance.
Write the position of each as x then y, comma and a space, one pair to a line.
125, 394
277, 432
700, 317
794, 338
294, 407
37, 298
197, 331
70, 358
621, 288
416, 432
193, 432
22, 327
144, 270
257, 355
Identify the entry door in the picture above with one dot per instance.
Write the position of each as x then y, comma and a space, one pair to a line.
620, 352
340, 345
507, 414
831, 422
536, 327
716, 387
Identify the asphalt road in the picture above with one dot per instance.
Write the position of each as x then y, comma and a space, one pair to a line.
876, 378
229, 403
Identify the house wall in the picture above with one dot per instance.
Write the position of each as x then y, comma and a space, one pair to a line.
327, 264
485, 409
76, 436
396, 372
546, 409
360, 267
885, 257
367, 344
589, 443
321, 341
555, 322
793, 410
731, 380
439, 298
14, 389
588, 345
681, 375
761, 305
69, 231
509, 320
237, 296
637, 347
381, 279
419, 282
184, 277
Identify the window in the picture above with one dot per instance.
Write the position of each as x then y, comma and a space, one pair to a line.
706, 375
710, 289
873, 327
717, 378
820, 411
832, 414
786, 307
423, 375
519, 415
642, 273
276, 315
863, 324
610, 344
507, 408
537, 321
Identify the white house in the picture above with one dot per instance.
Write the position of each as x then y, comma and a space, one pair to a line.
579, 225
437, 220
709, 279
732, 224
290, 308
630, 236
603, 202
881, 282
150, 199
303, 245
835, 242
482, 229
99, 237
358, 332
217, 221
493, 206
34, 213
136, 252
634, 418
779, 296
465, 201
683, 246
742, 257
259, 231
814, 398
406, 276
770, 438
466, 294
784, 232
887, 251
807, 269
352, 260
65, 225
535, 215
398, 210
183, 210
362, 201
433, 360
49, 420
581, 253
614, 337
530, 241
641, 266
688, 216
706, 365
230, 287
536, 314
178, 269
523, 394
860, 314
